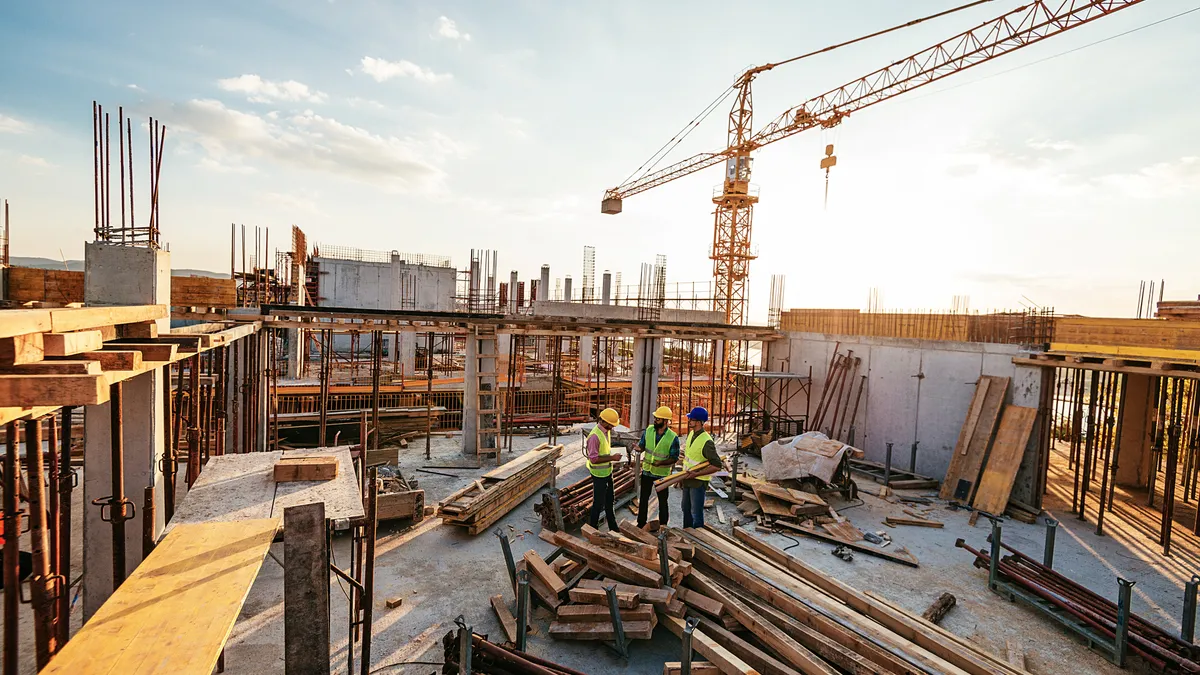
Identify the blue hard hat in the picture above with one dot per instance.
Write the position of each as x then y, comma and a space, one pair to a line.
699, 414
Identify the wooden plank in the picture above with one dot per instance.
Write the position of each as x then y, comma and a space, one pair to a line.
1005, 459
408, 504
758, 658
699, 601
595, 596
143, 330
913, 522
115, 360
719, 656
771, 505
507, 621
69, 344
619, 544
957, 458
909, 560
149, 351
305, 589
788, 649
963, 487
657, 596
608, 562
786, 494
601, 613
541, 570
698, 668
305, 468
52, 390
194, 583
539, 590
55, 368
68, 320
510, 468
1014, 654
342, 495
21, 349
634, 630
14, 322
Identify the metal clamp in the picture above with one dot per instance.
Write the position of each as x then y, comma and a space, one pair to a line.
465, 647
110, 502
622, 645
506, 547
685, 662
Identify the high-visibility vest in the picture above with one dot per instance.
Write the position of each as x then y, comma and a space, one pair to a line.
605, 469
659, 451
694, 452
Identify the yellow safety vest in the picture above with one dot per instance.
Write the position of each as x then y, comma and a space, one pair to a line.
694, 452
656, 452
599, 470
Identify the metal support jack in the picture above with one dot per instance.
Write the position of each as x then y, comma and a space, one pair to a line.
664, 562
994, 561
556, 504
1048, 552
622, 646
508, 557
1188, 631
465, 636
685, 661
1124, 609
522, 608
733, 486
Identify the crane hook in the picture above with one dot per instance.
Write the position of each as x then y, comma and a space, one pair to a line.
828, 162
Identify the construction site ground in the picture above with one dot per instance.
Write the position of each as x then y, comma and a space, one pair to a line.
441, 573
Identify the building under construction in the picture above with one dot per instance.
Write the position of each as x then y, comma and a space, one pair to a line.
338, 459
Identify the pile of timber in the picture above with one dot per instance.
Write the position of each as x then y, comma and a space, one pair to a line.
576, 498
800, 620
485, 501
1186, 310
488, 658
990, 449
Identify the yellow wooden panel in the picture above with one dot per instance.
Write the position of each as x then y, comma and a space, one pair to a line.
175, 612
1130, 352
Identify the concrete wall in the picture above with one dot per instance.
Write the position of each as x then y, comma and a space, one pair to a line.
371, 285
916, 391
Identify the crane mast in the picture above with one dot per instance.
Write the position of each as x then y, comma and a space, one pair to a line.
734, 214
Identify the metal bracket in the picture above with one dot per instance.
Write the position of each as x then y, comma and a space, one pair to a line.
685, 662
556, 506
1048, 551
522, 608
110, 502
1188, 631
994, 559
464, 645
506, 547
622, 646
1124, 609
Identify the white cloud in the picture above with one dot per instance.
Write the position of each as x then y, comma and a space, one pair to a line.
134, 87
12, 125
370, 104
383, 70
259, 90
448, 29
292, 202
37, 162
315, 143
1059, 146
210, 164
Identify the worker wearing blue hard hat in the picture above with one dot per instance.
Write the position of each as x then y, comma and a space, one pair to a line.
697, 449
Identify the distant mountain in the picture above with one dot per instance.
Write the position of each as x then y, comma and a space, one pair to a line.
77, 266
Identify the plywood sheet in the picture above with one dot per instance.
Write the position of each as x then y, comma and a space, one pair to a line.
191, 588
230, 488
342, 495
961, 485
1005, 459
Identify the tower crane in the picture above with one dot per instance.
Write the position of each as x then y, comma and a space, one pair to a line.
731, 252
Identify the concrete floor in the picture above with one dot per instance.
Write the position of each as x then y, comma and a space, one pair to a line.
442, 573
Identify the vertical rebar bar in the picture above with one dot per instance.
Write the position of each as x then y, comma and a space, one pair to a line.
66, 483
12, 571
40, 583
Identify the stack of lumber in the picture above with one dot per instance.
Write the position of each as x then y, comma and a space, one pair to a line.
990, 448
485, 501
1186, 310
791, 618
576, 498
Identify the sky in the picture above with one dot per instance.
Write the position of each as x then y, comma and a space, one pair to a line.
1061, 175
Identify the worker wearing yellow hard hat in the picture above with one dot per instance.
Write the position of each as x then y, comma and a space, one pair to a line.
600, 458
659, 446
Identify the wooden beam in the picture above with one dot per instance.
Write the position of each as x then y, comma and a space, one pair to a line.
698, 668
719, 656
14, 322
68, 344
657, 596
54, 368
595, 596
150, 351
116, 360
634, 630
142, 330
541, 570
507, 621
21, 349
67, 320
607, 562
52, 390
912, 521
598, 613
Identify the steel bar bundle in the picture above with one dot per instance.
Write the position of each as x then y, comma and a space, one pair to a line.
575, 499
1162, 651
487, 500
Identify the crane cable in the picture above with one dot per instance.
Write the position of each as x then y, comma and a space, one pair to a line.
661, 154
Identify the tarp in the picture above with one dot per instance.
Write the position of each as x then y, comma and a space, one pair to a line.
810, 454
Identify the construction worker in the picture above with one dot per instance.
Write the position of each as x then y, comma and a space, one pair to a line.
660, 450
697, 449
600, 458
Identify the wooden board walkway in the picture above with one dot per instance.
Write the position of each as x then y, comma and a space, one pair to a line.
174, 614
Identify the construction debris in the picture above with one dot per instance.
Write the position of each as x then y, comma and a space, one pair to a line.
939, 608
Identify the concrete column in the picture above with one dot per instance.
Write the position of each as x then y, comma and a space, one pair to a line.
122, 275
405, 346
512, 292
477, 345
647, 366
567, 289
606, 288
544, 284
294, 337
586, 354
262, 382
1137, 410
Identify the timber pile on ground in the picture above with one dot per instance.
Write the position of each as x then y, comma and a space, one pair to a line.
576, 498
799, 620
487, 500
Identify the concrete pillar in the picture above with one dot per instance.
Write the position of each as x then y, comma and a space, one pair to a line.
586, 354
647, 366
606, 288
567, 289
405, 350
512, 292
1137, 411
544, 284
122, 275
262, 384
477, 345
294, 341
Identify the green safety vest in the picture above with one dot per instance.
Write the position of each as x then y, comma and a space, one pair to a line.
599, 470
656, 452
694, 452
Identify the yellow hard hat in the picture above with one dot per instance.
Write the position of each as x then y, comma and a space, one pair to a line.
663, 413
610, 416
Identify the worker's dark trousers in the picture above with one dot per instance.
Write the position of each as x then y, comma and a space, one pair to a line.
647, 489
602, 502
693, 506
